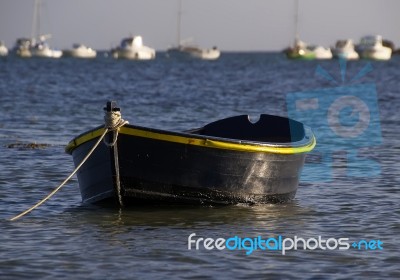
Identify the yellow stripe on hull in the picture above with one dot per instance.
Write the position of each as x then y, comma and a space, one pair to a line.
201, 141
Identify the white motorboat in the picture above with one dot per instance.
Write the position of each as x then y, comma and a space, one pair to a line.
321, 52
80, 51
22, 47
371, 47
133, 48
345, 49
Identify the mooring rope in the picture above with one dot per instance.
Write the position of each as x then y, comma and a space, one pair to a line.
113, 122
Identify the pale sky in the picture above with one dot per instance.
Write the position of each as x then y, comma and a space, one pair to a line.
232, 25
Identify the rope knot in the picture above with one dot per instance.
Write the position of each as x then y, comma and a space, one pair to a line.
113, 120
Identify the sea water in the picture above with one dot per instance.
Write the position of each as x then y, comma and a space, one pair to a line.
342, 225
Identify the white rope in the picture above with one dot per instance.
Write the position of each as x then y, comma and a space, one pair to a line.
113, 122
64, 182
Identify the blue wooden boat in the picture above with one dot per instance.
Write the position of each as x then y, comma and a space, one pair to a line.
224, 162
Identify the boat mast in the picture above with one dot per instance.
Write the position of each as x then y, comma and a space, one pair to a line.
296, 21
36, 20
178, 28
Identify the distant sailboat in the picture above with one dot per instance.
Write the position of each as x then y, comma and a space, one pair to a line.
301, 50
41, 47
185, 48
36, 46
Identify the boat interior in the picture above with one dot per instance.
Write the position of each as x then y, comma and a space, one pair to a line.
268, 128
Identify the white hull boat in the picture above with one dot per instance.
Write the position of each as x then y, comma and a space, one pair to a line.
371, 47
321, 52
195, 52
206, 54
133, 48
186, 49
36, 46
345, 49
22, 47
80, 51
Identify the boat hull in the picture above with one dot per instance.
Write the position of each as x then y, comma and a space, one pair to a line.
346, 55
381, 54
24, 53
142, 53
149, 165
194, 52
46, 53
207, 54
80, 53
303, 56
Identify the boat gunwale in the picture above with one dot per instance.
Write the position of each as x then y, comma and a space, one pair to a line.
306, 144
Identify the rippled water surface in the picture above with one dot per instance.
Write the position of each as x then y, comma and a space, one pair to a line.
51, 101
